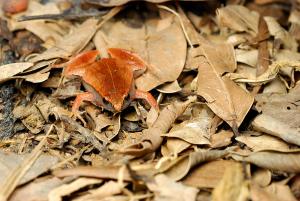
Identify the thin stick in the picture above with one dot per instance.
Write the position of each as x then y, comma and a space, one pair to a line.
16, 175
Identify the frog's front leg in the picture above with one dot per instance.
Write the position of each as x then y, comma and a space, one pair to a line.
148, 97
86, 96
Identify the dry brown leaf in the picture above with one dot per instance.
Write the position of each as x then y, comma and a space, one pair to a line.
223, 96
37, 190
180, 167
37, 77
238, 18
66, 189
165, 189
281, 191
248, 57
207, 175
280, 115
260, 142
168, 88
233, 186
273, 160
281, 34
164, 50
9, 70
108, 189
260, 194
151, 137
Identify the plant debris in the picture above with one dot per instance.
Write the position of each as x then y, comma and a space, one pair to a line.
149, 100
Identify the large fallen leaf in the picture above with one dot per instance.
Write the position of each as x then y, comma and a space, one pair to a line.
207, 175
233, 186
165, 189
163, 49
223, 96
10, 161
273, 160
238, 18
37, 190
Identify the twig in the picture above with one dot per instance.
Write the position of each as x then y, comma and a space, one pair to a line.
16, 175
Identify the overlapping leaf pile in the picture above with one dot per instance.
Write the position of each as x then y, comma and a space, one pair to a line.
226, 79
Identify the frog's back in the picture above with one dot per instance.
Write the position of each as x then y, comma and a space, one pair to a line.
111, 78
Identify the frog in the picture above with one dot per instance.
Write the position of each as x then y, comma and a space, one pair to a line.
109, 82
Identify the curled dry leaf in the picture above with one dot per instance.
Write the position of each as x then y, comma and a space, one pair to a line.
151, 137
174, 146
261, 176
108, 189
180, 167
233, 186
273, 160
9, 70
165, 188
238, 18
221, 139
223, 96
58, 193
261, 142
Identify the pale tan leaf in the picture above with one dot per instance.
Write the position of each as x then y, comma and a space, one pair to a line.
168, 88
208, 175
9, 70
66, 189
247, 56
261, 142
166, 189
37, 190
37, 77
233, 186
238, 18
273, 160
108, 189
221, 139
281, 191
262, 177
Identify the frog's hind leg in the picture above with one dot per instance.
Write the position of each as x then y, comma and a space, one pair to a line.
148, 97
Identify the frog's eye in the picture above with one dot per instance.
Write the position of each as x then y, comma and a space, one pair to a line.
98, 57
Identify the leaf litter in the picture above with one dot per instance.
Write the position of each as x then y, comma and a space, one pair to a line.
224, 76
